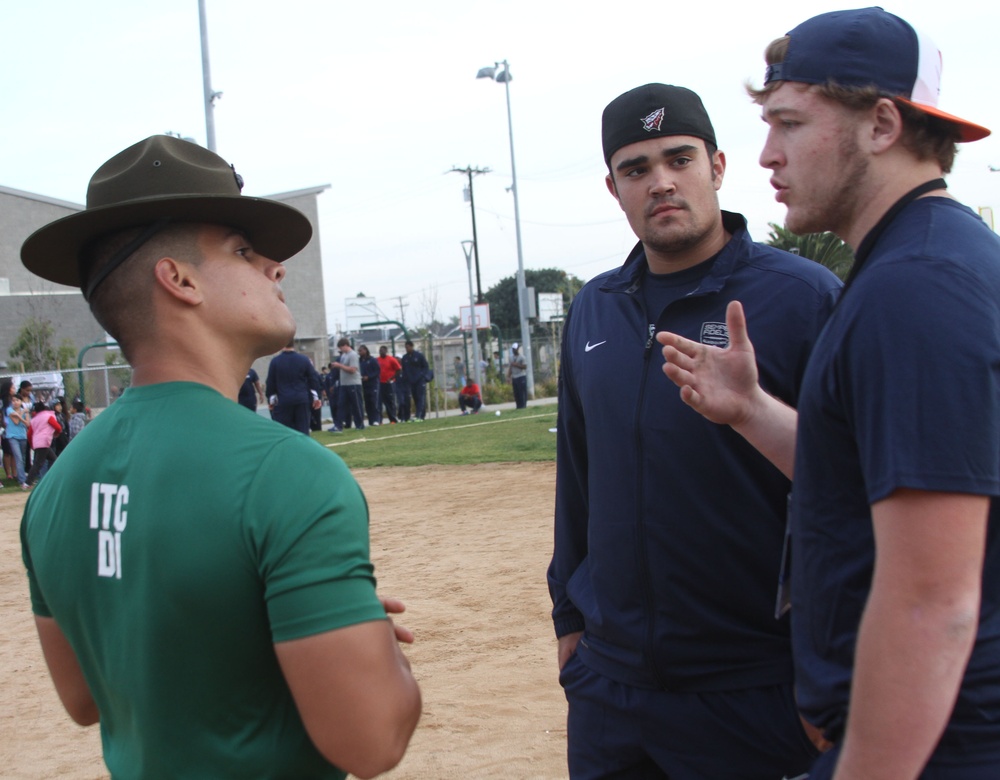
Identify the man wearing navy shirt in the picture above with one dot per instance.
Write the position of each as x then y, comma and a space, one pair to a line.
414, 383
895, 565
292, 388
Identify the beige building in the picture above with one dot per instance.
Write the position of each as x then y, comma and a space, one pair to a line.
24, 295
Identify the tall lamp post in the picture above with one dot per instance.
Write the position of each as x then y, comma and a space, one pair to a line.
468, 247
210, 95
503, 76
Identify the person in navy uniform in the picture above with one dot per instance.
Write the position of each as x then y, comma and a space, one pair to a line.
292, 389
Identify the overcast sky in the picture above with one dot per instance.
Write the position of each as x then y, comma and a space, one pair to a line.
380, 100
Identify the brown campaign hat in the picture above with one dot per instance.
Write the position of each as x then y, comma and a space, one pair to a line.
158, 181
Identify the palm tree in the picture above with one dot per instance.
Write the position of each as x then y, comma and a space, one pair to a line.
824, 248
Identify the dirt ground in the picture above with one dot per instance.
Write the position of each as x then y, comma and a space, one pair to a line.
465, 547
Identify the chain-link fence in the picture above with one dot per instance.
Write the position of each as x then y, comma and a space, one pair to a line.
495, 353
96, 386
99, 385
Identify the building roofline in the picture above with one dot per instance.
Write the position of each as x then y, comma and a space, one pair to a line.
315, 190
41, 198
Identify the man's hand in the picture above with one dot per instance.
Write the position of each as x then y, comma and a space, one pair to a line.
567, 646
722, 386
396, 607
719, 384
820, 742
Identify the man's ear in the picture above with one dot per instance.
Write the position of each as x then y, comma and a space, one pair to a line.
718, 169
178, 279
885, 125
609, 180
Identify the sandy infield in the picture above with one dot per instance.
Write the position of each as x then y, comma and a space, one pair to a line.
465, 547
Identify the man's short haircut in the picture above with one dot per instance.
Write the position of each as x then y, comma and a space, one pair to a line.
408, 343
121, 303
926, 137
344, 342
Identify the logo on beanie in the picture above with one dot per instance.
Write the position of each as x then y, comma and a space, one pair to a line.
652, 121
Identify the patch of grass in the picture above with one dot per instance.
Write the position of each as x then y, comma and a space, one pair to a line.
517, 435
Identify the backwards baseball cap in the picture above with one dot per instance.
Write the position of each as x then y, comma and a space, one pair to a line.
869, 47
651, 111
153, 183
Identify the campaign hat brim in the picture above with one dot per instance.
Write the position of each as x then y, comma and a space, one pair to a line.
163, 178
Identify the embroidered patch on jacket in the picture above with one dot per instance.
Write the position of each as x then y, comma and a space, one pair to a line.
652, 121
715, 334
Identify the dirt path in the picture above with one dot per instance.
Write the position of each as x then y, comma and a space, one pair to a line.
471, 569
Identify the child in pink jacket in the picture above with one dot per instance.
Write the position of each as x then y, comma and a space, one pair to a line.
44, 428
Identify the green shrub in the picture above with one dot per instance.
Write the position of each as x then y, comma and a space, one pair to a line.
497, 394
548, 388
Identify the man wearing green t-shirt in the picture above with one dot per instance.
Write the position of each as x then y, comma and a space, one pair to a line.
201, 578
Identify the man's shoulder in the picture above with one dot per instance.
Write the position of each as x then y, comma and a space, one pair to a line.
940, 227
208, 417
771, 259
290, 356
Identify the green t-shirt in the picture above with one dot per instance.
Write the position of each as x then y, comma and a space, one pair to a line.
174, 542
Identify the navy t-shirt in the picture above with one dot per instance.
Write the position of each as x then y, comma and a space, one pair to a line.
902, 391
248, 390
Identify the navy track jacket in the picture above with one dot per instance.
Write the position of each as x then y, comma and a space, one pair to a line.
669, 528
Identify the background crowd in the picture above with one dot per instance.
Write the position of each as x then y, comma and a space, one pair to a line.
35, 431
360, 386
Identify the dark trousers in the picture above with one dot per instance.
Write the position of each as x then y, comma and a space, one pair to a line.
470, 401
349, 406
978, 765
331, 398
520, 387
387, 399
626, 733
403, 400
295, 416
419, 392
371, 403
43, 455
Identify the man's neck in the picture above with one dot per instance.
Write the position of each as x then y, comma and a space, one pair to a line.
886, 186
673, 262
216, 365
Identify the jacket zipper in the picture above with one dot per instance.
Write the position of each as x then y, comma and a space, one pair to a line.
643, 559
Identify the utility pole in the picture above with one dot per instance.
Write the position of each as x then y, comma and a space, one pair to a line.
402, 309
469, 171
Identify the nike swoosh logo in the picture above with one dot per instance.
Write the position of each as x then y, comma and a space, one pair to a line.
594, 346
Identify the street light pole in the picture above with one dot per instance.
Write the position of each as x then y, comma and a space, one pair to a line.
210, 95
522, 293
468, 247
